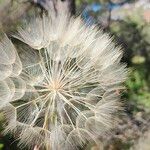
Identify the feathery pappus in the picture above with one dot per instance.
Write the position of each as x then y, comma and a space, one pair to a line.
59, 92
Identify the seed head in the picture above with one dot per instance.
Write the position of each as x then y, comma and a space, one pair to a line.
59, 91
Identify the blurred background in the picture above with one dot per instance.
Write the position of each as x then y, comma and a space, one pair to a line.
128, 21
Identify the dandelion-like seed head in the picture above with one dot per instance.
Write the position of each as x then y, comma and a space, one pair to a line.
60, 89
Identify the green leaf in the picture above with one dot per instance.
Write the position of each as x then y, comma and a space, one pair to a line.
1, 146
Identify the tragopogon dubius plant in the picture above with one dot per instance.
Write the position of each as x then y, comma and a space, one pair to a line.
59, 90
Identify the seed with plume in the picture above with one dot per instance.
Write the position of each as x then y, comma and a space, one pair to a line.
59, 91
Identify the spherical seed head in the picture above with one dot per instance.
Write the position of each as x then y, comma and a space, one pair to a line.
66, 90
